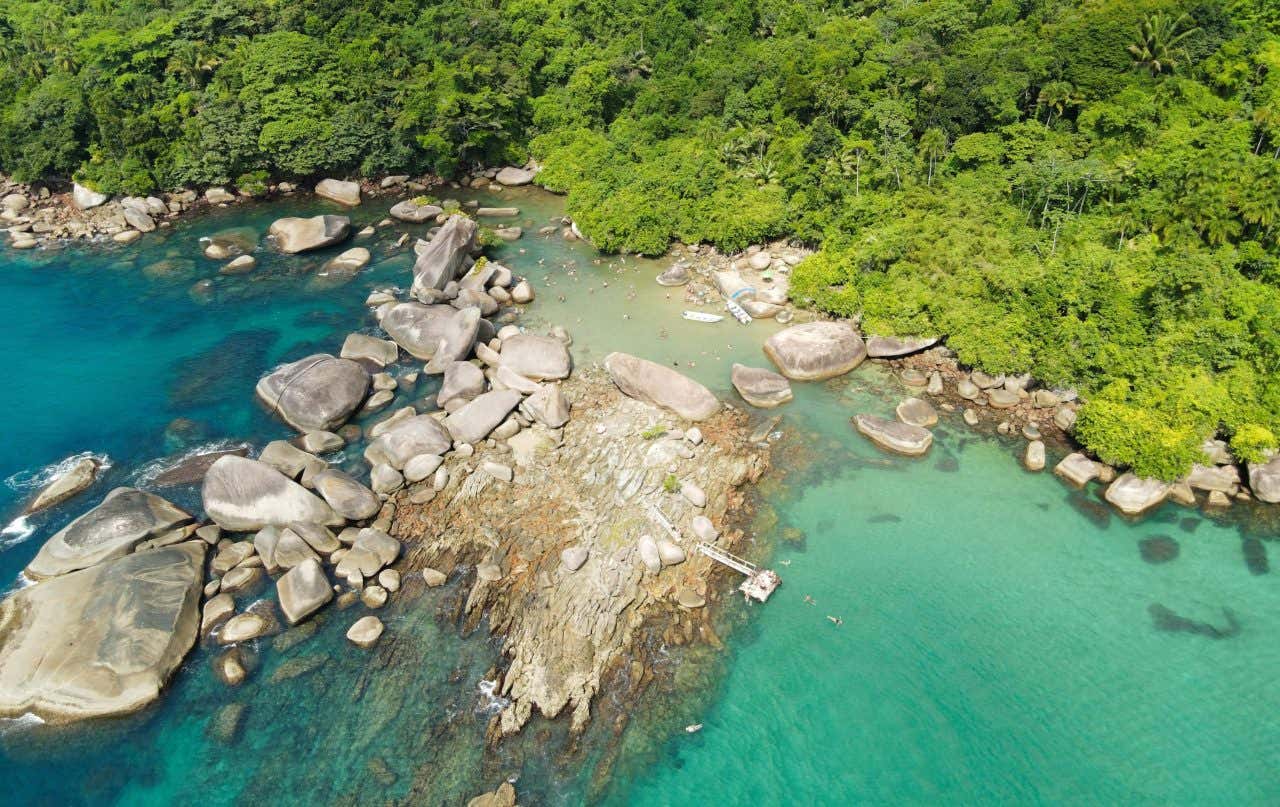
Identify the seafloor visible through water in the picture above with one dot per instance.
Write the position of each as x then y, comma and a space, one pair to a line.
1004, 640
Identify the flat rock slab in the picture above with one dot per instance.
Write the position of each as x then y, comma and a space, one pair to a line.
102, 641
474, 421
126, 518
816, 351
347, 496
539, 358
1077, 469
661, 386
891, 435
316, 393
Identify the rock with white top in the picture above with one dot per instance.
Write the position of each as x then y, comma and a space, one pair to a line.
917, 412
1264, 480
1033, 457
84, 198
243, 495
76, 479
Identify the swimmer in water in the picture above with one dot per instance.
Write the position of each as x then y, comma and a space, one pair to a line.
837, 621
809, 600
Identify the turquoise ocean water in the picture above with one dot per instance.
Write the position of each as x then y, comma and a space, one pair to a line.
997, 645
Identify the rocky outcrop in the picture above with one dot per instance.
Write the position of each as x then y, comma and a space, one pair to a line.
317, 393
1134, 495
892, 435
126, 518
539, 358
816, 351
564, 629
340, 191
293, 235
761, 388
661, 386
242, 495
890, 347
101, 641
445, 258
77, 479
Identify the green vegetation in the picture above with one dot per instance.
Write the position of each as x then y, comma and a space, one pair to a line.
653, 432
670, 484
1086, 189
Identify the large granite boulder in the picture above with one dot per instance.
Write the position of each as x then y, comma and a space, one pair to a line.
473, 422
457, 340
362, 347
76, 479
540, 358
445, 258
888, 347
293, 235
1264, 480
1134, 495
816, 350
317, 393
661, 386
1077, 469
348, 498
462, 379
126, 518
85, 198
514, 177
759, 387
1224, 478
101, 641
415, 211
421, 434
303, 590
418, 328
892, 435
242, 495
341, 191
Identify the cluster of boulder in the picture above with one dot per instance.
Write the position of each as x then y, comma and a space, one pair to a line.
756, 279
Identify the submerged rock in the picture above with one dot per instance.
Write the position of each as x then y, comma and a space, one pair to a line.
900, 438
124, 519
917, 412
650, 382
1158, 549
241, 495
816, 351
101, 641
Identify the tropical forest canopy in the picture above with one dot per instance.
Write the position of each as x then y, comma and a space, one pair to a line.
1089, 191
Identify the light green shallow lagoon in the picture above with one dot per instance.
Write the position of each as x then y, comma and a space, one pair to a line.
996, 646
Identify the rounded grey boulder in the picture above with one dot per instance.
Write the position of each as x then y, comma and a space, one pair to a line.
348, 498
661, 386
816, 351
759, 387
303, 590
317, 393
242, 495
418, 328
420, 434
540, 358
900, 438
293, 235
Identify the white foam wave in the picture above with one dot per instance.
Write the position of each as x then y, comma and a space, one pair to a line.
34, 480
490, 701
16, 531
147, 472
22, 721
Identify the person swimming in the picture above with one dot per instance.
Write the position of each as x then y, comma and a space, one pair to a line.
809, 600
835, 620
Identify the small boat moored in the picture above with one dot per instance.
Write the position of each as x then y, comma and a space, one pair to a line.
693, 728
698, 316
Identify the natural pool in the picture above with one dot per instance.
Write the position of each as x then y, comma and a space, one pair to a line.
997, 644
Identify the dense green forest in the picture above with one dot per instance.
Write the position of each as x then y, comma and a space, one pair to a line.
1086, 190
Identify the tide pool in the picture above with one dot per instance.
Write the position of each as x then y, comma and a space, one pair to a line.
998, 644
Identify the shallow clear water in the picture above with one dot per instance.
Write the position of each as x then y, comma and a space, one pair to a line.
996, 643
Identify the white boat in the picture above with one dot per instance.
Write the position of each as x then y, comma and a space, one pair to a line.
738, 313
698, 316
693, 728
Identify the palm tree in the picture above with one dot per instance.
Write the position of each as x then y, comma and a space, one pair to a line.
1159, 46
1056, 96
933, 144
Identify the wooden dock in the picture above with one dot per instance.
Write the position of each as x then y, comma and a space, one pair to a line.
760, 583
